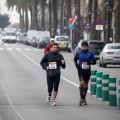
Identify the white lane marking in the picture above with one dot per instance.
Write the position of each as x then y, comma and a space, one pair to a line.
27, 49
65, 79
10, 101
36, 49
9, 49
1, 48
17, 48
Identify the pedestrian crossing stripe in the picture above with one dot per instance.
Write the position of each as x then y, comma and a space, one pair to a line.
18, 49
27, 49
9, 48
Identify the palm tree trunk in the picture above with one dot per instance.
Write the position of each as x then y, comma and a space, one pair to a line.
94, 33
117, 22
61, 20
43, 15
35, 14
55, 20
78, 21
26, 19
50, 19
90, 4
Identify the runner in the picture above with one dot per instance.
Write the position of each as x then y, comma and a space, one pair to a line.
52, 63
48, 47
83, 60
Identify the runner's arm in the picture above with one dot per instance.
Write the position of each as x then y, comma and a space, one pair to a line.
43, 62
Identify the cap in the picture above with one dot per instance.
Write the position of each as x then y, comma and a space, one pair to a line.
84, 43
52, 39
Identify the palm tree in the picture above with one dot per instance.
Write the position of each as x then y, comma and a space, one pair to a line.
94, 33
90, 5
20, 4
117, 21
78, 32
61, 17
43, 5
55, 18
50, 18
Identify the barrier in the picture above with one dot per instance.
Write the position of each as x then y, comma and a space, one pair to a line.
105, 87
112, 92
119, 94
93, 82
99, 84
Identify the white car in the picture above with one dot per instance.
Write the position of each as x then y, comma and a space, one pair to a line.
110, 54
63, 42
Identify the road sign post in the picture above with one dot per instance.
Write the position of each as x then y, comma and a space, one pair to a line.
87, 25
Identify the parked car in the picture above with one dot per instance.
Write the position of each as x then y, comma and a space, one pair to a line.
30, 35
43, 41
63, 42
94, 46
35, 38
24, 38
110, 54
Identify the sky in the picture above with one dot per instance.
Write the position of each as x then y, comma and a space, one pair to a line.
14, 16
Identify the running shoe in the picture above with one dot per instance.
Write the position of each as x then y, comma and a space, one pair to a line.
53, 103
48, 99
81, 102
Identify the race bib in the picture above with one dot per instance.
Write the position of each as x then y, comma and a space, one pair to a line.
52, 65
85, 65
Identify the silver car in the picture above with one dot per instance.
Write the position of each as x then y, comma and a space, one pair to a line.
110, 54
63, 42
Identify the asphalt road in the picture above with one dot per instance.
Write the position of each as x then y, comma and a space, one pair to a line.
23, 89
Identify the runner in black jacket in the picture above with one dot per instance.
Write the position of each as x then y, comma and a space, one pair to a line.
52, 63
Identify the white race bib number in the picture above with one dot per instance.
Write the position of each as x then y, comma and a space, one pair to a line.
85, 65
52, 65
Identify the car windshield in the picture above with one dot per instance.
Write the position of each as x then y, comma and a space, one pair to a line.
114, 46
96, 46
61, 39
10, 34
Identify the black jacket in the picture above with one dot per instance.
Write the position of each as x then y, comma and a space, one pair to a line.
52, 57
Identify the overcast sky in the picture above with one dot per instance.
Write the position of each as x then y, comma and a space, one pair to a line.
14, 17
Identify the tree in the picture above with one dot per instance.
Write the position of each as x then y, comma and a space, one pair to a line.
55, 18
94, 33
117, 21
78, 21
43, 5
4, 21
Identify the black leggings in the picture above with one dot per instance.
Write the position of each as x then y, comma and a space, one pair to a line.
53, 82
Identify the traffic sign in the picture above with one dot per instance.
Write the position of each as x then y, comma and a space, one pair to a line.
99, 21
87, 24
99, 27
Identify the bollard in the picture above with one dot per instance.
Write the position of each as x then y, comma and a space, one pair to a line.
93, 82
112, 92
105, 87
99, 84
119, 94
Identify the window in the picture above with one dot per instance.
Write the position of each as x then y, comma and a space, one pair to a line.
10, 34
113, 46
